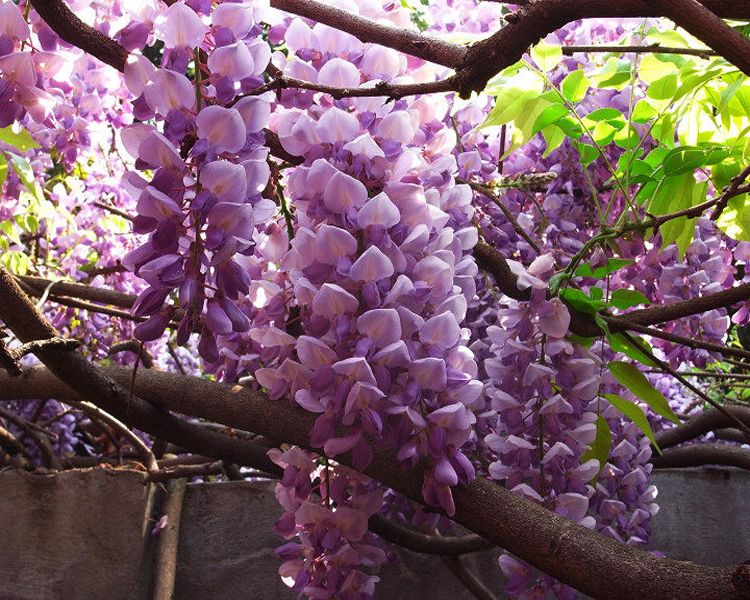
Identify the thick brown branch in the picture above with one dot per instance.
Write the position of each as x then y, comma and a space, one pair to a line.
405, 40
535, 20
74, 31
709, 28
708, 420
694, 306
697, 455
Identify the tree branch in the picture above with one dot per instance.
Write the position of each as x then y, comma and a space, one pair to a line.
705, 25
408, 41
708, 420
535, 20
427, 544
656, 48
74, 31
697, 455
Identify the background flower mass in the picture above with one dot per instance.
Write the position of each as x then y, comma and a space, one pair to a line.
473, 266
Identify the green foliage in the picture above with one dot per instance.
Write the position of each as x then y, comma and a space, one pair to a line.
635, 414
629, 376
21, 141
601, 444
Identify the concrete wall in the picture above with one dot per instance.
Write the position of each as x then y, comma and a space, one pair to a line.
83, 534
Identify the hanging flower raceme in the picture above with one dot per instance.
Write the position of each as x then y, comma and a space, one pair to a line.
203, 204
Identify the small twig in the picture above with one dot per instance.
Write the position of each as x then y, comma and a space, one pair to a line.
136, 348
489, 193
113, 210
655, 48
732, 190
93, 411
468, 579
667, 369
427, 544
173, 354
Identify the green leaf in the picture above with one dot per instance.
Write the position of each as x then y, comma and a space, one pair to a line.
616, 73
612, 265
682, 230
627, 138
621, 343
635, 414
735, 219
622, 298
21, 140
523, 129
581, 302
689, 158
546, 56
664, 88
551, 114
3, 170
604, 133
23, 168
510, 102
643, 112
587, 152
605, 114
575, 85
728, 93
629, 376
600, 446
554, 137
653, 68
16, 262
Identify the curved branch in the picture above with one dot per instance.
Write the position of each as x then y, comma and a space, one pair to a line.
535, 20
710, 29
408, 41
708, 420
697, 455
427, 544
491, 260
395, 91
74, 31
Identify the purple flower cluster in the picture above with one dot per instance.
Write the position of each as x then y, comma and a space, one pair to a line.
203, 202
379, 267
327, 510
